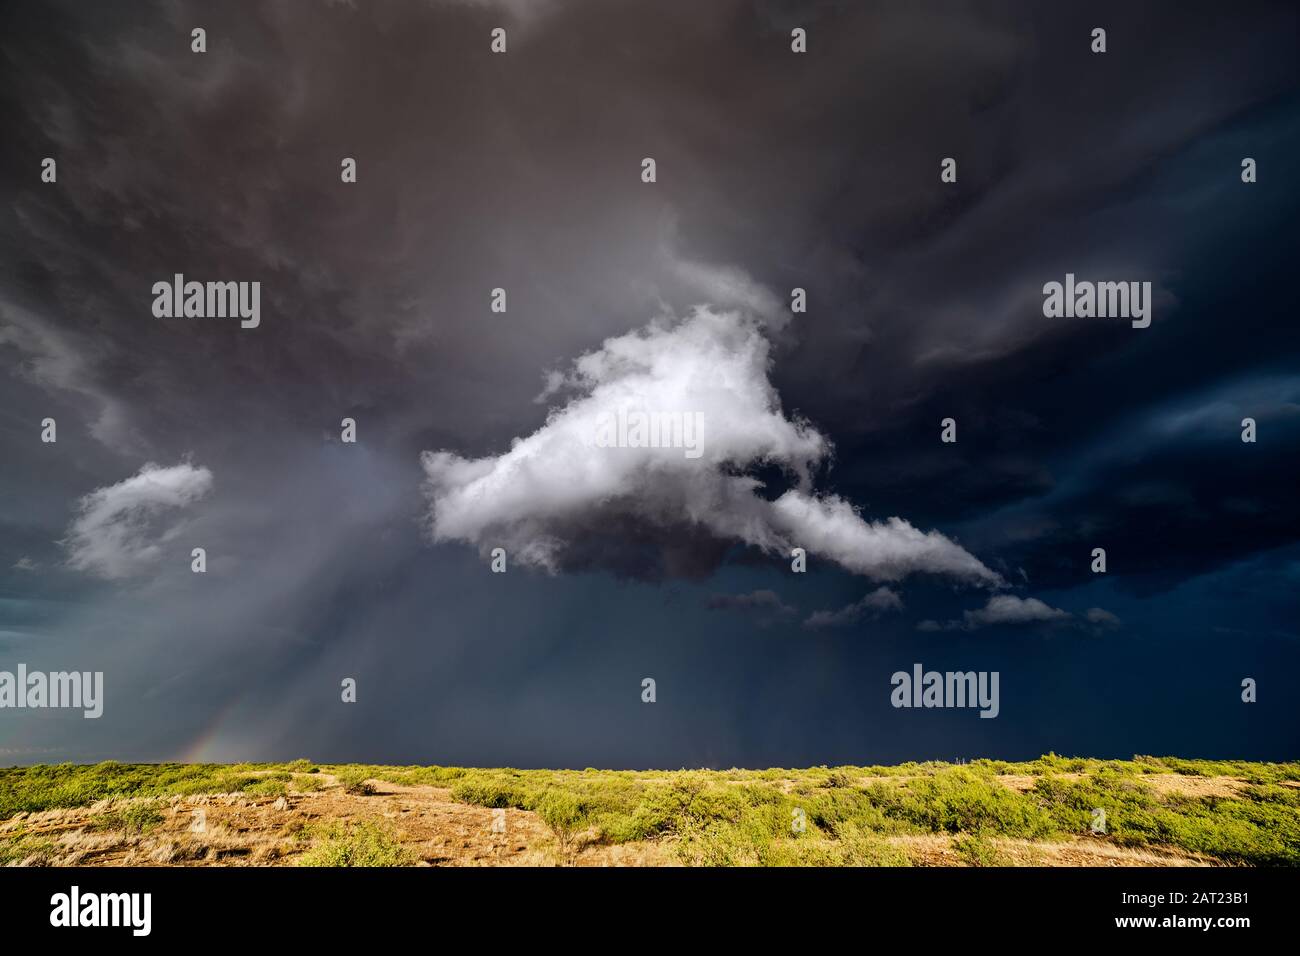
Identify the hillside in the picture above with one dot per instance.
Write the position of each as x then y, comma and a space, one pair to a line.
1053, 811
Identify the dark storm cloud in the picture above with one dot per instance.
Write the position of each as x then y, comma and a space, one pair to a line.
521, 172
1170, 494
227, 164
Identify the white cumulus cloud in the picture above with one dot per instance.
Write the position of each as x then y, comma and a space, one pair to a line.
880, 600
560, 499
1002, 609
121, 528
1009, 609
1102, 618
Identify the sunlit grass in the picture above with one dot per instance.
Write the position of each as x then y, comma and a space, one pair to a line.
815, 816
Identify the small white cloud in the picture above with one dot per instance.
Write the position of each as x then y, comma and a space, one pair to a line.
120, 529
25, 564
1101, 617
1002, 609
761, 600
876, 602
1009, 609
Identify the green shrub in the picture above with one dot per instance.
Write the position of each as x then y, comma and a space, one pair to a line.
40, 851
965, 800
139, 818
266, 787
975, 850
358, 844
307, 783
355, 780
563, 814
417, 776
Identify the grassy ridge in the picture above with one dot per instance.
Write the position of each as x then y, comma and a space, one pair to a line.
51, 786
821, 816
745, 817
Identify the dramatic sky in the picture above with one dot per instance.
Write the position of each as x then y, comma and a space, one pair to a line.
820, 429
